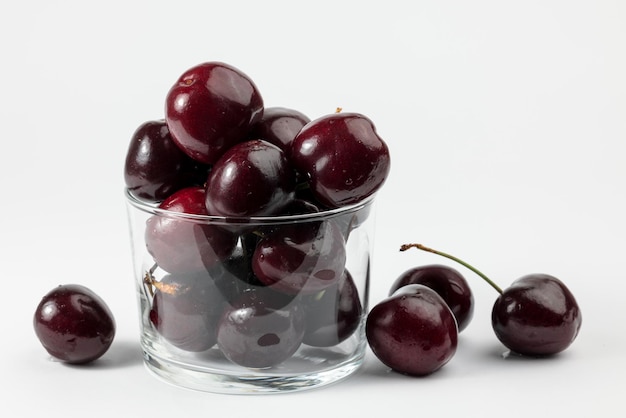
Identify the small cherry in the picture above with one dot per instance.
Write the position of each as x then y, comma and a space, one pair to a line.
186, 245
413, 331
185, 309
333, 314
536, 316
155, 167
301, 258
261, 329
252, 178
279, 126
210, 108
74, 324
343, 157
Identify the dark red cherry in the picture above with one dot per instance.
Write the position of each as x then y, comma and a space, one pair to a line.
537, 316
279, 125
253, 178
333, 314
448, 283
155, 167
343, 156
186, 309
301, 258
210, 108
413, 331
181, 245
74, 324
260, 330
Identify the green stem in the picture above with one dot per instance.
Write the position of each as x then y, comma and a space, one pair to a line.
453, 258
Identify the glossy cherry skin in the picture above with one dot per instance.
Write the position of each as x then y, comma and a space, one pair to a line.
155, 167
253, 178
186, 309
301, 258
261, 329
279, 126
180, 245
413, 331
210, 108
74, 324
448, 283
333, 314
536, 316
343, 157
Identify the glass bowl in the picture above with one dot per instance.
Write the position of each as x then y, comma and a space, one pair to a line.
252, 305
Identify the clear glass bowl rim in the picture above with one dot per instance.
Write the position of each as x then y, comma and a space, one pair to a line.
151, 208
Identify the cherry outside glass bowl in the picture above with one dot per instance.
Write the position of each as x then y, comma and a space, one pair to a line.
252, 305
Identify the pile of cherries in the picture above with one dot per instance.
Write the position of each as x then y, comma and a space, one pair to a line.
256, 290
415, 330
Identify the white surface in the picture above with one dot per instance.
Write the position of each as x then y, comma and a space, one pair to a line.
507, 127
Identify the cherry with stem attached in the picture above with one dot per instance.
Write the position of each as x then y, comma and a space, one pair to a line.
536, 316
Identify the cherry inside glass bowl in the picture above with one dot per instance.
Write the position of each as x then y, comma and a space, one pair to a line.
240, 308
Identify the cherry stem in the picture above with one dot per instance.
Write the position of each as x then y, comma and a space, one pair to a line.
405, 247
148, 278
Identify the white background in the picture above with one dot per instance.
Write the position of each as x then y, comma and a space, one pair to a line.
506, 123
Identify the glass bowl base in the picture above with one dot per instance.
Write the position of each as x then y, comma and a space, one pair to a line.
254, 382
